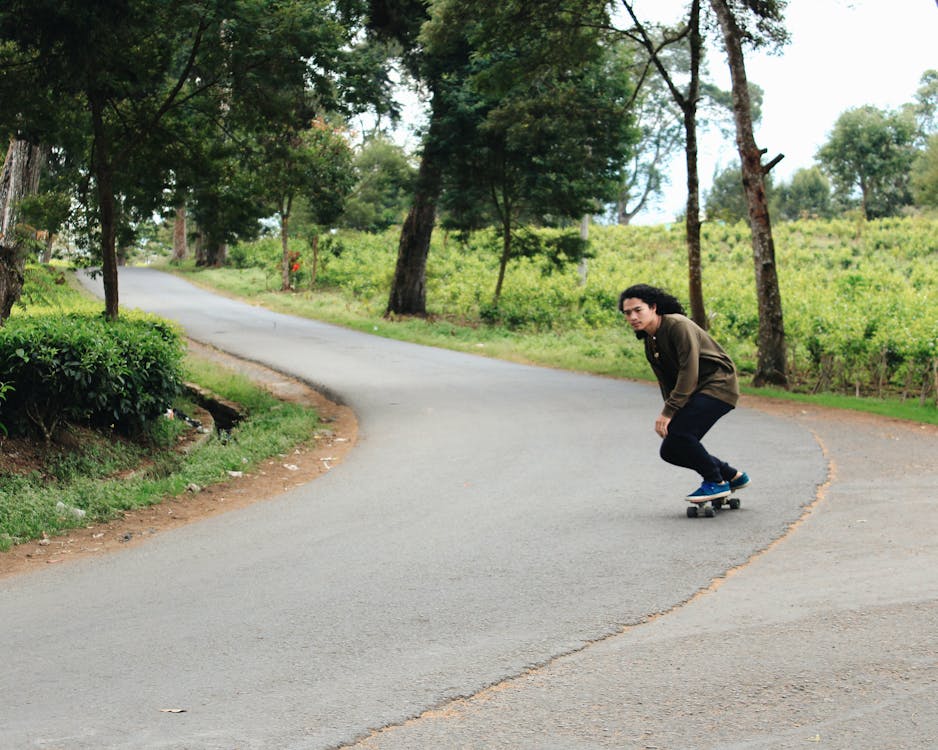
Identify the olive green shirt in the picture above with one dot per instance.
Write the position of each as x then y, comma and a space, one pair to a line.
686, 360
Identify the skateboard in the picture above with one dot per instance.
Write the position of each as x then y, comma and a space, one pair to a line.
709, 507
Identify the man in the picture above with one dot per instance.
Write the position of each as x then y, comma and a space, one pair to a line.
697, 380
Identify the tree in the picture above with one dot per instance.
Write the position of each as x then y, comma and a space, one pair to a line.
925, 175
180, 234
868, 157
645, 175
538, 145
478, 29
400, 22
138, 85
726, 200
687, 100
925, 107
318, 169
734, 21
19, 178
384, 184
124, 66
807, 196
226, 201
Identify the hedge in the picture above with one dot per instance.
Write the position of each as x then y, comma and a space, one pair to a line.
79, 368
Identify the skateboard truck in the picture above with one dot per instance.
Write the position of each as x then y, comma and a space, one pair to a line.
708, 508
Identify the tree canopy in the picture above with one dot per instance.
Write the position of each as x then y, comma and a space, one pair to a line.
868, 158
142, 92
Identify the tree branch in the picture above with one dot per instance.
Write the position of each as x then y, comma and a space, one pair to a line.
771, 165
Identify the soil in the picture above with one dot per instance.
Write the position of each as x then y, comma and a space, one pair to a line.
305, 463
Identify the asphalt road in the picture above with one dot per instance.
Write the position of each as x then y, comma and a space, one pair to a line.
494, 521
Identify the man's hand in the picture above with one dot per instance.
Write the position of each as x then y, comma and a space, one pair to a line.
661, 425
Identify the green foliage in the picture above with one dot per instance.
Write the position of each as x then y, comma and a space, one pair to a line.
78, 480
868, 157
807, 196
859, 297
84, 370
4, 388
925, 175
384, 187
154, 102
726, 200
925, 106
78, 486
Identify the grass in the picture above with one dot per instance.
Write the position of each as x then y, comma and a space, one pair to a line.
83, 483
606, 352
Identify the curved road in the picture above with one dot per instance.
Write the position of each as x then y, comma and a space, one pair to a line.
492, 519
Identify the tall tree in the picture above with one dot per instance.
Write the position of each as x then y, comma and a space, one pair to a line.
925, 106
400, 22
180, 234
662, 133
687, 100
508, 26
317, 165
19, 178
808, 195
136, 84
384, 185
925, 175
754, 22
869, 155
537, 143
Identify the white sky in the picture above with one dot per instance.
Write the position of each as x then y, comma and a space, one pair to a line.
842, 54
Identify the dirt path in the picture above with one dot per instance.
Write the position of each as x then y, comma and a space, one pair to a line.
306, 462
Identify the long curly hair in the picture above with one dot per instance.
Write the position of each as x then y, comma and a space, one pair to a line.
663, 302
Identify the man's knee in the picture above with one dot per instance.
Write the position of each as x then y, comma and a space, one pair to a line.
673, 447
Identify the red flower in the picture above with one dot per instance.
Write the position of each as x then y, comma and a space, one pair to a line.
295, 268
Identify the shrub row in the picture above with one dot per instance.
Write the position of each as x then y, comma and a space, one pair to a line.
79, 368
859, 298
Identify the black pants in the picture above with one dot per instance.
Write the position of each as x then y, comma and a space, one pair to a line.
682, 446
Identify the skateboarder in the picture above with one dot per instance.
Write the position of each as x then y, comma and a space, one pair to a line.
697, 380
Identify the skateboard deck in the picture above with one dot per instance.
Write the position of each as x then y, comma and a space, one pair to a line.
708, 508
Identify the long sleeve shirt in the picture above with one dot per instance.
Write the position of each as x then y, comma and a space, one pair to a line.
686, 360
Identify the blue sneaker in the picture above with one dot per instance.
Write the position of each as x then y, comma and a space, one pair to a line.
709, 491
741, 481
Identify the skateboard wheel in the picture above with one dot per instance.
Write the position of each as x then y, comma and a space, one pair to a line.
692, 511
718, 503
709, 512
734, 503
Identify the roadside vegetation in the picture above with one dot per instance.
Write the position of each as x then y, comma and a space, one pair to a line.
859, 296
58, 473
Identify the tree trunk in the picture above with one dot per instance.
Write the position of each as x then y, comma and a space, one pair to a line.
107, 214
771, 367
409, 286
216, 253
19, 177
284, 250
201, 249
506, 256
698, 312
314, 272
583, 267
688, 104
180, 241
47, 250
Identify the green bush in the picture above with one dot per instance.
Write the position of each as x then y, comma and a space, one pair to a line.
78, 368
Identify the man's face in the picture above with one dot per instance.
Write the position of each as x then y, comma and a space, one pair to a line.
640, 316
